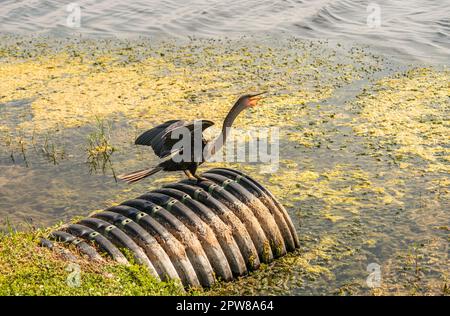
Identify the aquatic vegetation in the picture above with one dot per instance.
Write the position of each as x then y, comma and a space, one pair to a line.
415, 264
407, 114
99, 148
73, 90
52, 152
17, 147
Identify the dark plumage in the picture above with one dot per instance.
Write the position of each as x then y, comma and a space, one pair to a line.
160, 137
163, 138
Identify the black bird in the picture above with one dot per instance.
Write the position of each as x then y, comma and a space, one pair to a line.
186, 157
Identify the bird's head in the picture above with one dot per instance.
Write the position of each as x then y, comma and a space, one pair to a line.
249, 100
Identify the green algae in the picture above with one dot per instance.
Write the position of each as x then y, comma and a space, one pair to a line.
408, 113
72, 90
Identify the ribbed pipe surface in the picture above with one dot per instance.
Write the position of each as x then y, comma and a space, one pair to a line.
196, 232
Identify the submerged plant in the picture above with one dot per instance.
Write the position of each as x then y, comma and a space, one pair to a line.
17, 143
52, 152
100, 149
8, 144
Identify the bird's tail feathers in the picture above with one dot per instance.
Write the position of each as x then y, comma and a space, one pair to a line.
138, 175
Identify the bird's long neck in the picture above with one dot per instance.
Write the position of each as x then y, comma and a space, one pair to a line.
220, 140
228, 122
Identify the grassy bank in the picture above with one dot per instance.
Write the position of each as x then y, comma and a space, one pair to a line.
28, 269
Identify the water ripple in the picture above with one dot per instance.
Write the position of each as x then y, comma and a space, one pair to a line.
417, 28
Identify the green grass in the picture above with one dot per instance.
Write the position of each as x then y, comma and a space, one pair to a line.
28, 269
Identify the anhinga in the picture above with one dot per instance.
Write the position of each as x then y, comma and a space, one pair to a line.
161, 139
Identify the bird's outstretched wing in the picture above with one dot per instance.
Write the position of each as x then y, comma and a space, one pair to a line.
160, 137
149, 136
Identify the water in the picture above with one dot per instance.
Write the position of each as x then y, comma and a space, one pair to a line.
416, 30
364, 163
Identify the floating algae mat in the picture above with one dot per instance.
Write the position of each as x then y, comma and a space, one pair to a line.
364, 152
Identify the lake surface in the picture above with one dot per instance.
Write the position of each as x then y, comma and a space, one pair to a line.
415, 29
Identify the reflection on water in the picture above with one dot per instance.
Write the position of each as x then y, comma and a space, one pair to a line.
364, 157
418, 29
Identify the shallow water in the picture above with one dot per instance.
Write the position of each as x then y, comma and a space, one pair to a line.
363, 120
413, 30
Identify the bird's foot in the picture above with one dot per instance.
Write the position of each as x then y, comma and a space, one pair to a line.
193, 177
199, 178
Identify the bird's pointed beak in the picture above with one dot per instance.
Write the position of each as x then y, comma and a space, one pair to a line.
253, 99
